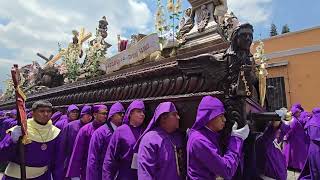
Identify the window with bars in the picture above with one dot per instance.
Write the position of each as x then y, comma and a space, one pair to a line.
276, 93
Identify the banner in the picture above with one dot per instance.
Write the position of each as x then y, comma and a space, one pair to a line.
135, 53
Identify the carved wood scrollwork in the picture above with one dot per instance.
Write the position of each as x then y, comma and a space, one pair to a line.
206, 66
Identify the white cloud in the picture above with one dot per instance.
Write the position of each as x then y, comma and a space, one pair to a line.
252, 11
37, 26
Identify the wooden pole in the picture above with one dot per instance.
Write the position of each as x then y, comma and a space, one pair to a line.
21, 118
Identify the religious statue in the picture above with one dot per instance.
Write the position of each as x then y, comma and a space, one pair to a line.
202, 18
186, 24
239, 58
135, 38
96, 52
220, 10
102, 33
240, 75
229, 22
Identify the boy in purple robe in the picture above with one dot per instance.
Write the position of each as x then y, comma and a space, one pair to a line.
72, 114
162, 147
297, 141
69, 134
205, 159
42, 153
120, 153
311, 168
78, 161
100, 141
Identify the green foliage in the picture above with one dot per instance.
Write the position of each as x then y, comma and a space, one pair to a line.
273, 30
285, 29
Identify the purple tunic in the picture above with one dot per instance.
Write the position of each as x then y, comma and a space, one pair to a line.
7, 124
62, 123
99, 144
78, 161
270, 160
34, 157
156, 155
311, 168
61, 118
56, 116
69, 134
296, 148
205, 159
118, 158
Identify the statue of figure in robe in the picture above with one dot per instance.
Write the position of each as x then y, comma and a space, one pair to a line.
220, 10
186, 24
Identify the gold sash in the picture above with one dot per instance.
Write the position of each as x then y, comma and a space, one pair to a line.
13, 170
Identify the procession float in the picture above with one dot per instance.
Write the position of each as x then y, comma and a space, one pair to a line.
206, 53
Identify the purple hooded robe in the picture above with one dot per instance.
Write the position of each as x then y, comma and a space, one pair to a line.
99, 144
311, 168
78, 161
56, 116
62, 123
205, 159
69, 134
8, 123
118, 158
270, 160
158, 150
296, 147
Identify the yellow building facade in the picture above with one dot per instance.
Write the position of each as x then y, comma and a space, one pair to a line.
294, 68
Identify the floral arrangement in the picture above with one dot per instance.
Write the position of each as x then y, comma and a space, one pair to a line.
70, 67
95, 54
262, 73
173, 12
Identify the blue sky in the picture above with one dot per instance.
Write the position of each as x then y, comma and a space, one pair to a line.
28, 27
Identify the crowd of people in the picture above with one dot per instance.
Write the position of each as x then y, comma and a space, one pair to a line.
100, 143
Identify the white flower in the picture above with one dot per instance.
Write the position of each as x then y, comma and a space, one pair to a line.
178, 6
256, 55
258, 48
264, 59
170, 6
